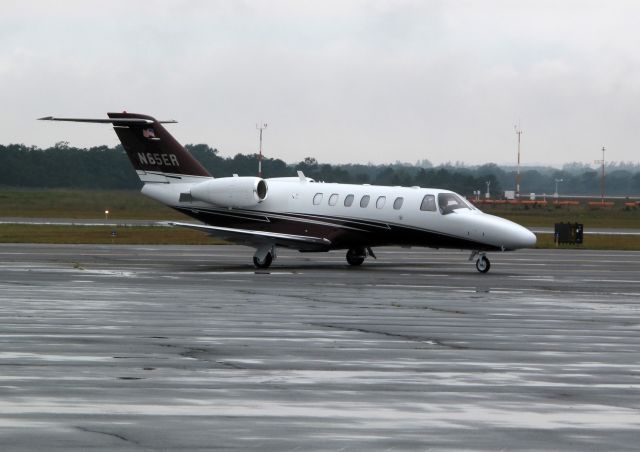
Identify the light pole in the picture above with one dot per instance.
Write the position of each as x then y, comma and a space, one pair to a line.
519, 133
106, 216
260, 128
601, 176
488, 194
602, 179
555, 195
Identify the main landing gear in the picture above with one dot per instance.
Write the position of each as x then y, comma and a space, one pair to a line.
356, 256
264, 256
482, 262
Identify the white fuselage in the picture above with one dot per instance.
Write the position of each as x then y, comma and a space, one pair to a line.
312, 205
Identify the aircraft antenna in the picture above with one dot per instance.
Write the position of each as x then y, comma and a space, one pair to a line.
260, 128
518, 132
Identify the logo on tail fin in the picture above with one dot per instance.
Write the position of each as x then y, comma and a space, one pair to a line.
149, 133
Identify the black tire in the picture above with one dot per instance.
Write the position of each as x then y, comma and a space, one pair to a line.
483, 264
265, 263
355, 256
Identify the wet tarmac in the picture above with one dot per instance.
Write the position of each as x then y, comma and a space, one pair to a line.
177, 347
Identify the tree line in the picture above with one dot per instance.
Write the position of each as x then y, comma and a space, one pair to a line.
102, 167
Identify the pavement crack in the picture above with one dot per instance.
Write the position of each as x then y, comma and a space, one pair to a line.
424, 340
17, 283
195, 353
429, 308
202, 354
231, 365
113, 435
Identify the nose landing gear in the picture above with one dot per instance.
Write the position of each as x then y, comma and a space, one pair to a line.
482, 262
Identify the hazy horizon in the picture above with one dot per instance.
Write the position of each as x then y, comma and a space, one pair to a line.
452, 163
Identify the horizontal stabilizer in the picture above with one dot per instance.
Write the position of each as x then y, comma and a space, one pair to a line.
260, 237
108, 120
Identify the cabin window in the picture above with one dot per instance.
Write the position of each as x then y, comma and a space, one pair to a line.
398, 203
449, 202
428, 203
380, 202
364, 201
348, 201
333, 199
317, 199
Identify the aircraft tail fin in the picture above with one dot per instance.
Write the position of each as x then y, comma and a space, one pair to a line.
153, 152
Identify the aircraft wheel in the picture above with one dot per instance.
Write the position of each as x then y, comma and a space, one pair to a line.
265, 263
355, 256
482, 264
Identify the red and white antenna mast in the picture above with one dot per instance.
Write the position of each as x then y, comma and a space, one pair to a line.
601, 176
260, 128
518, 132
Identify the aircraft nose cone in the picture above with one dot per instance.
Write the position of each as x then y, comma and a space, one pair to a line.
526, 239
513, 236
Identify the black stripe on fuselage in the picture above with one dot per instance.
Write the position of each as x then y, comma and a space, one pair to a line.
343, 232
155, 173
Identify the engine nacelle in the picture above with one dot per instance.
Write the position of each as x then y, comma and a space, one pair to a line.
231, 191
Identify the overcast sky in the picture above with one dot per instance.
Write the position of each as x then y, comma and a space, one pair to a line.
342, 81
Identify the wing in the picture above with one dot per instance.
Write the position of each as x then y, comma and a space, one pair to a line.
249, 237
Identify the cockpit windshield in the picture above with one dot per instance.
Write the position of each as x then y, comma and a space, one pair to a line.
448, 202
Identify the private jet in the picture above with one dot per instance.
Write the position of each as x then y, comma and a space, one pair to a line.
302, 214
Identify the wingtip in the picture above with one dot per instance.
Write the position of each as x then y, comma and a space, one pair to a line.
46, 118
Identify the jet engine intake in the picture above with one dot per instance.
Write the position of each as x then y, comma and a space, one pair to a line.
231, 191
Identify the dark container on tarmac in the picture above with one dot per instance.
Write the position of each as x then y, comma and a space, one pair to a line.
571, 233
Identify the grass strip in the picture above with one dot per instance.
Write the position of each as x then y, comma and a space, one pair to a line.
590, 218
594, 242
88, 204
19, 233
